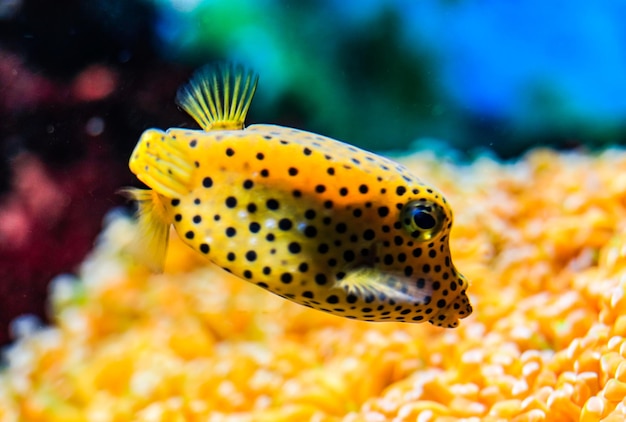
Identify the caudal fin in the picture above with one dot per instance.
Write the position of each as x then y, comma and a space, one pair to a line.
161, 162
150, 245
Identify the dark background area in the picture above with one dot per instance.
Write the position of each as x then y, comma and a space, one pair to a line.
80, 81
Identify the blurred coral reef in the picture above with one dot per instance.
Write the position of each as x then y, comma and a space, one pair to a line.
68, 125
546, 233
63, 165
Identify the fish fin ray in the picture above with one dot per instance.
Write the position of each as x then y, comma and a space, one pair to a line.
219, 96
150, 244
367, 281
161, 162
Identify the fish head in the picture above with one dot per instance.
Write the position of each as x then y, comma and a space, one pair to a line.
411, 264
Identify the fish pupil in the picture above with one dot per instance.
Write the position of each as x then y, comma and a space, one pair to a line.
423, 219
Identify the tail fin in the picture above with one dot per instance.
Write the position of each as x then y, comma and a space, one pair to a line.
150, 245
218, 97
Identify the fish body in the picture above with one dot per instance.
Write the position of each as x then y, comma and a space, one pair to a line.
309, 218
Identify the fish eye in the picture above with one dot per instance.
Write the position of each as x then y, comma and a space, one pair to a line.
422, 219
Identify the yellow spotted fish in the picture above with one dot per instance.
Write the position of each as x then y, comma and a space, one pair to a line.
311, 219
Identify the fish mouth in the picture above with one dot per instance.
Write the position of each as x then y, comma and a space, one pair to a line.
449, 316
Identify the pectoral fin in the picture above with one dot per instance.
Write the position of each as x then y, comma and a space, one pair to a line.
368, 281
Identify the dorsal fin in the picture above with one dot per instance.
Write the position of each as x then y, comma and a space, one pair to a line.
218, 96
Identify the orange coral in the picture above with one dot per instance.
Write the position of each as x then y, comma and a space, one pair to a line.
542, 241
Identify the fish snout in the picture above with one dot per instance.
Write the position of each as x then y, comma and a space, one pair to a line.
458, 309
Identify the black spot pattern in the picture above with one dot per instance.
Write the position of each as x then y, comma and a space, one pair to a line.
304, 227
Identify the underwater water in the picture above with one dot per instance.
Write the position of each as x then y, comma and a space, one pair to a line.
505, 110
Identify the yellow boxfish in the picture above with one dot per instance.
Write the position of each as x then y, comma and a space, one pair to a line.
311, 219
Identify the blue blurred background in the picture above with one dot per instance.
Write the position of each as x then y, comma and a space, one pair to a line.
382, 74
81, 79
